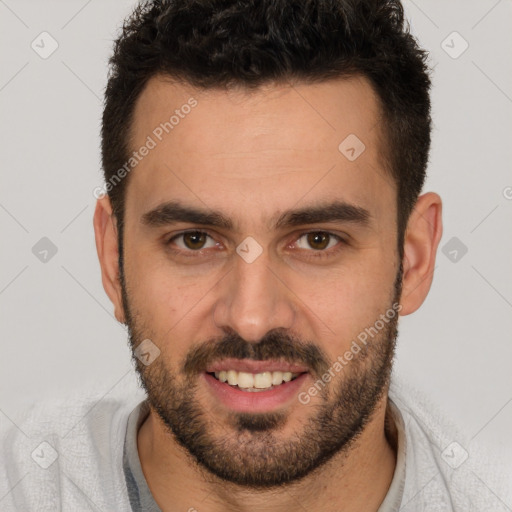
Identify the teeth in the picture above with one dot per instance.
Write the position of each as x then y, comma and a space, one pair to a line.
263, 380
277, 378
245, 380
254, 381
232, 377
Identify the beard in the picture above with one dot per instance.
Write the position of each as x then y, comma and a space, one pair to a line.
251, 450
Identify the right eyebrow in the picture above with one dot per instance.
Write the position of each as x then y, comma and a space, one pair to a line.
172, 212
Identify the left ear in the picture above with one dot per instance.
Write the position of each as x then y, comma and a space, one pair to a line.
422, 236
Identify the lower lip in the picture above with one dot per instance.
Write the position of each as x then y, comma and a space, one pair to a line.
258, 401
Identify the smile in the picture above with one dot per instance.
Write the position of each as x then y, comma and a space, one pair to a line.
255, 382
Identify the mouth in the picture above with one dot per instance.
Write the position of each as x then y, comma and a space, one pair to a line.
254, 382
254, 386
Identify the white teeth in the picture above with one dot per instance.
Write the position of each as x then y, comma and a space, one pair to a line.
277, 378
245, 380
232, 377
263, 380
254, 381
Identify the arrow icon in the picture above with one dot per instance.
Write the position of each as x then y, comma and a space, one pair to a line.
44, 250
44, 45
44, 455
249, 249
454, 45
147, 352
351, 147
454, 455
455, 249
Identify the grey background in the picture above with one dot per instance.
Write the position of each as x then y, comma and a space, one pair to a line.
57, 327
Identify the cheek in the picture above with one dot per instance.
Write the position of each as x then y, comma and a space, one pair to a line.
348, 302
154, 293
167, 300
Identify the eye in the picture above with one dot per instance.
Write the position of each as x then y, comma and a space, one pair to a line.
193, 240
318, 240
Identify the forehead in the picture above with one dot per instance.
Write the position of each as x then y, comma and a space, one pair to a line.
272, 145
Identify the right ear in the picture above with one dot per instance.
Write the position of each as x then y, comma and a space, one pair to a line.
105, 233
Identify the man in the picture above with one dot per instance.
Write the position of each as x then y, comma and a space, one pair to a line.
260, 231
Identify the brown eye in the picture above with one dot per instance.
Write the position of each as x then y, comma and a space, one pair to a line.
319, 244
318, 240
194, 240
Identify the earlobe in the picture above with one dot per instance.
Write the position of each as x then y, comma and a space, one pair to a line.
105, 233
424, 231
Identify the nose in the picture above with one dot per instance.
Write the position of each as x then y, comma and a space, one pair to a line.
253, 300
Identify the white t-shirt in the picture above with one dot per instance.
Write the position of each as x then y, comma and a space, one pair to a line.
81, 455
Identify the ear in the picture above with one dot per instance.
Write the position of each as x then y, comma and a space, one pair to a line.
423, 233
105, 232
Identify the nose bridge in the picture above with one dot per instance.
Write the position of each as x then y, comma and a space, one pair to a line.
253, 300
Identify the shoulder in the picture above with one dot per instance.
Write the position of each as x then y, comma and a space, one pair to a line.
65, 452
445, 469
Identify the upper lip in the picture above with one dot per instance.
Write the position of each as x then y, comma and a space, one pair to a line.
251, 366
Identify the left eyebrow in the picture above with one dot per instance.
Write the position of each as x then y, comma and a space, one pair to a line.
336, 211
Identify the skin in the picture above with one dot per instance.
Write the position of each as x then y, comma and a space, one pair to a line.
253, 155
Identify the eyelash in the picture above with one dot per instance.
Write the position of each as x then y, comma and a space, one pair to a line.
325, 253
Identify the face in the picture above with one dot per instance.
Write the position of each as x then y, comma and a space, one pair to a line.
261, 262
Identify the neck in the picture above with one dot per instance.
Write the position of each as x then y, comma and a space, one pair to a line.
353, 481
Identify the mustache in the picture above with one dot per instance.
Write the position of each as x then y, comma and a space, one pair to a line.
275, 345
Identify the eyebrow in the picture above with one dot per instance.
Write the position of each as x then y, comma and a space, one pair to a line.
336, 211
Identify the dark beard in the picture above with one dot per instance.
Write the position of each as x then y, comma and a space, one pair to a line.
251, 453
